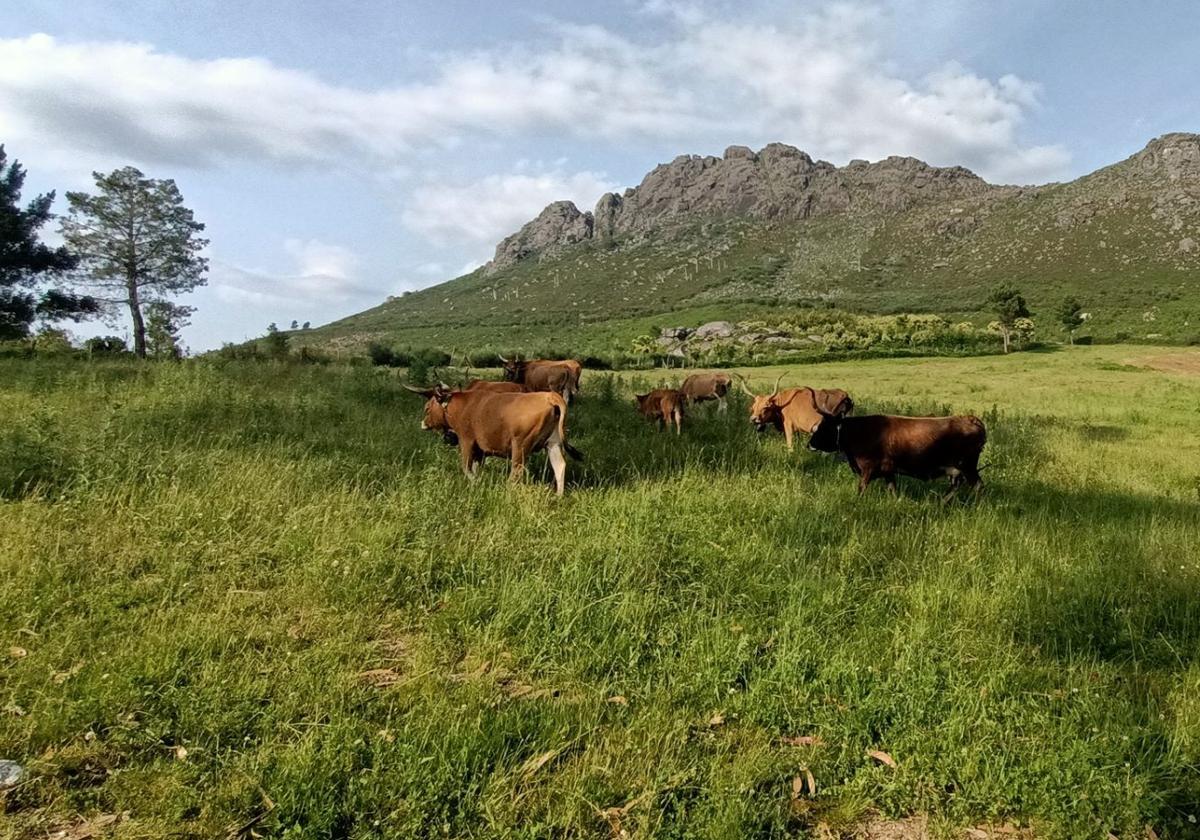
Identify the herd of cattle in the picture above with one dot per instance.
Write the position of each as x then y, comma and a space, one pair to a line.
527, 412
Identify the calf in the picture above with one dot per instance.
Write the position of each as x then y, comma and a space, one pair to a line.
506, 425
663, 406
883, 446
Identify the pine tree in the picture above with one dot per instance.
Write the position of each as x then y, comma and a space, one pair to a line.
136, 242
27, 263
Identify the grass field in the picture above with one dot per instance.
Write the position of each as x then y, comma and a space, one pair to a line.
258, 598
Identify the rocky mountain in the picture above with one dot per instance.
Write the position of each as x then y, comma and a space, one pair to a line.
703, 237
778, 183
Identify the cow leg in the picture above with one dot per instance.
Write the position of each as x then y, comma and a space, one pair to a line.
890, 480
865, 474
787, 435
518, 461
466, 452
722, 406
678, 421
558, 463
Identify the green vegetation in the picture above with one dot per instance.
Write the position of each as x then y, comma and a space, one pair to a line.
1120, 242
256, 596
137, 245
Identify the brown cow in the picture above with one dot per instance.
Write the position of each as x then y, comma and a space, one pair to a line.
506, 425
796, 410
882, 446
494, 386
663, 406
702, 387
562, 377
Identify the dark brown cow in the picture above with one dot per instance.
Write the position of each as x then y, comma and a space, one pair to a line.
562, 376
663, 406
505, 425
884, 446
796, 410
702, 387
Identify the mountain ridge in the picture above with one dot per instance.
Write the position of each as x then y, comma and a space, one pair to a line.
776, 228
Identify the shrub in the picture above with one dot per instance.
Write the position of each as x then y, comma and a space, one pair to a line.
381, 355
32, 458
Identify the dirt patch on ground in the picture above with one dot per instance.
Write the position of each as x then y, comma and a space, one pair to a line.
917, 828
1182, 362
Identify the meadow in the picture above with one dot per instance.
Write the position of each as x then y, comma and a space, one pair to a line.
255, 599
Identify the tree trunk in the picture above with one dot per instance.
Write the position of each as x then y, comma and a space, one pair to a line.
1004, 332
139, 325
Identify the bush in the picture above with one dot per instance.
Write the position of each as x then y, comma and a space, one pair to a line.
32, 459
381, 355
105, 346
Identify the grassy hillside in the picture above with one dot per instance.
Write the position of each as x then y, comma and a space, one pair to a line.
1124, 240
258, 597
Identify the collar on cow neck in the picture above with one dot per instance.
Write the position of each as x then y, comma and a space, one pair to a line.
839, 436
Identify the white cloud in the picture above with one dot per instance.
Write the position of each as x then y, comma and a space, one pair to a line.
321, 273
820, 81
320, 259
479, 213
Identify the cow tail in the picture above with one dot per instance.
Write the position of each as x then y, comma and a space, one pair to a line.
560, 412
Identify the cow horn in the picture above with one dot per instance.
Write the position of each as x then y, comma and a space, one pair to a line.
779, 379
501, 358
425, 392
745, 387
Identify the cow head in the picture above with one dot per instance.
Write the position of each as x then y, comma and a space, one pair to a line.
641, 401
826, 433
514, 369
435, 405
766, 410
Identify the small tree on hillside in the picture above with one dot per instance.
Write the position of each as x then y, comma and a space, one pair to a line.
1009, 305
277, 342
25, 262
164, 321
136, 243
1070, 315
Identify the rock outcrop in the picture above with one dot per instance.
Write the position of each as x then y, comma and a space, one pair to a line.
560, 224
777, 182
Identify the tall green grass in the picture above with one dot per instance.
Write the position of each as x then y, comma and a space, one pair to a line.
258, 596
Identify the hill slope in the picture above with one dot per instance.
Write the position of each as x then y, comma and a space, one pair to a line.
715, 237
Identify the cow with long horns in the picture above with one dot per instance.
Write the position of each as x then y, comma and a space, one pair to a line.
559, 376
505, 425
795, 410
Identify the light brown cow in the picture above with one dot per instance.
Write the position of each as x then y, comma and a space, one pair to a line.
663, 406
796, 410
560, 376
702, 387
494, 386
883, 446
505, 425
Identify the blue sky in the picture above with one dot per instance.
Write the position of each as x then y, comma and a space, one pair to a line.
343, 152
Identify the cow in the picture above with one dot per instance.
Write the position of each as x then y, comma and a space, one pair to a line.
505, 425
702, 387
663, 406
883, 446
494, 387
795, 410
562, 377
